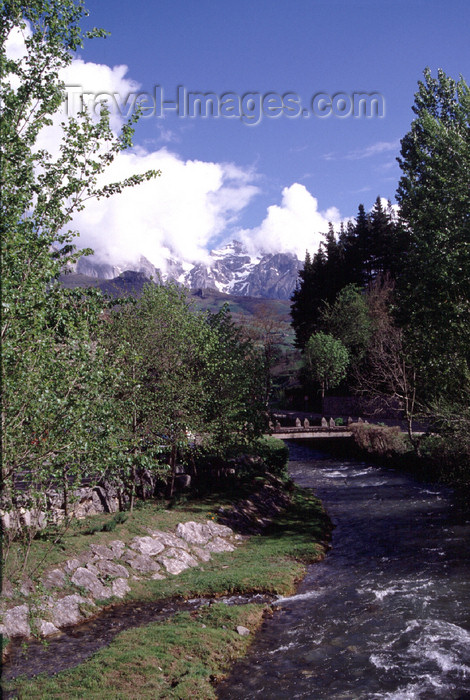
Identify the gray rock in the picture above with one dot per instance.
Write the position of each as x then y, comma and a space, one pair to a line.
120, 587
46, 628
16, 622
183, 481
66, 611
147, 545
111, 569
71, 565
54, 579
168, 539
118, 548
243, 631
177, 560
157, 576
81, 560
100, 551
181, 555
219, 545
90, 581
91, 567
7, 589
201, 553
219, 530
194, 533
141, 562
27, 587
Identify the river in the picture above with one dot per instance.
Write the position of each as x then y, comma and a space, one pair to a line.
387, 613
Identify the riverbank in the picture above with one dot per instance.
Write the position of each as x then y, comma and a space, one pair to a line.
439, 459
181, 657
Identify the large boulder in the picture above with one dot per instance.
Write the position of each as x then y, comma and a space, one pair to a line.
177, 560
141, 562
168, 539
16, 622
194, 533
66, 611
120, 587
111, 569
90, 581
147, 545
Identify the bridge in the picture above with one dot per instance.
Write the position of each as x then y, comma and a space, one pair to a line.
311, 432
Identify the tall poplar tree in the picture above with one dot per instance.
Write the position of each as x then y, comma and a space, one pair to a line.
54, 413
434, 198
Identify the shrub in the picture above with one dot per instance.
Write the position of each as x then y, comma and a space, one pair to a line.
275, 455
377, 439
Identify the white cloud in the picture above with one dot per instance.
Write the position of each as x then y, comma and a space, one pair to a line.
188, 209
178, 214
294, 226
373, 150
366, 152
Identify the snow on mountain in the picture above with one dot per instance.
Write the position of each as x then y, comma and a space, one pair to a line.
229, 269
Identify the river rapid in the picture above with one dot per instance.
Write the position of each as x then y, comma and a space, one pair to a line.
387, 613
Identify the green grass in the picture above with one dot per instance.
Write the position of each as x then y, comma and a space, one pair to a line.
49, 551
178, 658
174, 659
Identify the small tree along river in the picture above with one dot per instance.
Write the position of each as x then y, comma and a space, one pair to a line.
387, 613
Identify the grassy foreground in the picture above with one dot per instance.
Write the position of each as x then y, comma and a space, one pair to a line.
180, 658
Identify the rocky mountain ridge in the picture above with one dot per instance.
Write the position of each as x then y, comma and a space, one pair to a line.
230, 270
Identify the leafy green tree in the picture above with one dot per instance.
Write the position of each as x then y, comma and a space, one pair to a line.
234, 384
348, 320
434, 198
181, 376
157, 345
55, 409
326, 360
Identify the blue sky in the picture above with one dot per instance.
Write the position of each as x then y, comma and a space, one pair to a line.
297, 46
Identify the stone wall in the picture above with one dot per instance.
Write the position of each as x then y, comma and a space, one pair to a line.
85, 501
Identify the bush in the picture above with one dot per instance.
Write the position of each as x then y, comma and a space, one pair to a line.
381, 440
447, 457
275, 455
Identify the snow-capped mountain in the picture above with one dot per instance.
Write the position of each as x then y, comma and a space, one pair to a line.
230, 270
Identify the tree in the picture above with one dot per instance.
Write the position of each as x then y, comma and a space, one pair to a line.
347, 319
319, 281
234, 384
434, 198
157, 346
387, 372
55, 407
266, 330
326, 359
374, 244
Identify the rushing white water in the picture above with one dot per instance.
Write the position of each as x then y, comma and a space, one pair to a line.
387, 613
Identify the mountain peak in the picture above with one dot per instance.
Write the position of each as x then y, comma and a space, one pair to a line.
229, 269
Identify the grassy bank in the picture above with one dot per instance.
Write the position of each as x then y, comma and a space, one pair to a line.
180, 658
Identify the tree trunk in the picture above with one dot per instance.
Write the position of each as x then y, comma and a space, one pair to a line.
173, 469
